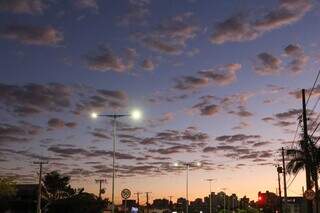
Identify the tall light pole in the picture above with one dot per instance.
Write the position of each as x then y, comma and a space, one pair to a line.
210, 198
135, 115
187, 165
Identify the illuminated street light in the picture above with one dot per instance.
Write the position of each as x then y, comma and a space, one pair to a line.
136, 115
94, 115
187, 165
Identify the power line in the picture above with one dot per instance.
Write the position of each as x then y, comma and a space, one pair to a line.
292, 180
295, 134
315, 129
314, 84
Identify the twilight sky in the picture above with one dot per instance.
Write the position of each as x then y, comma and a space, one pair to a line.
218, 82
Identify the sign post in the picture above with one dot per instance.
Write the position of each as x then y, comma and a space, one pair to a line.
125, 194
309, 194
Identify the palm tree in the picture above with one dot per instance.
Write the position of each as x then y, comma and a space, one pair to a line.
305, 157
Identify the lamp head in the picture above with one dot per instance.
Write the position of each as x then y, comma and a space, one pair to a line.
136, 114
94, 115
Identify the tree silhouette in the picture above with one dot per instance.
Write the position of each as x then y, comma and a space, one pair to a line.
7, 191
62, 198
306, 154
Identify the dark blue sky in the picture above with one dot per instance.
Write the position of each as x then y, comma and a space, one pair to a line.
217, 82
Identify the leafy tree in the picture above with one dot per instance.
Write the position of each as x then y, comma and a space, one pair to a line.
7, 187
80, 203
62, 198
307, 154
7, 191
56, 186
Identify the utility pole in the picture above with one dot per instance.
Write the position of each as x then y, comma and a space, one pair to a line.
100, 181
170, 198
170, 202
305, 147
284, 180
138, 196
279, 170
147, 195
40, 163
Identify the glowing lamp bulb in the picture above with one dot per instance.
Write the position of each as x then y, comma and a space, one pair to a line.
94, 115
136, 114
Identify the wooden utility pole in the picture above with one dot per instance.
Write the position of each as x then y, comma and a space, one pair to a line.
305, 147
138, 196
147, 195
279, 170
284, 181
100, 181
40, 163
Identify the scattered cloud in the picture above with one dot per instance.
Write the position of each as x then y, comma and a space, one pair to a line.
209, 110
298, 94
267, 64
221, 76
148, 64
172, 150
165, 118
23, 6
237, 138
32, 35
241, 112
286, 119
299, 58
211, 105
30, 99
190, 82
105, 60
136, 13
84, 4
57, 123
242, 27
234, 29
171, 35
17, 133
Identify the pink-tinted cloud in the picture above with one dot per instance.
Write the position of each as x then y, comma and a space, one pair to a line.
105, 60
244, 28
23, 6
32, 35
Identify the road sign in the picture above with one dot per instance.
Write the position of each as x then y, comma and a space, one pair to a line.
309, 194
125, 193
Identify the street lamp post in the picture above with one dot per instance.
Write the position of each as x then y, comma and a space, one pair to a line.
187, 165
135, 115
210, 198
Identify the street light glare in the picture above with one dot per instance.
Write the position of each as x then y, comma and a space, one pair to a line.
136, 114
198, 164
176, 164
94, 115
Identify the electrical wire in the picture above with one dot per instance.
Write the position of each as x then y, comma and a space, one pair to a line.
314, 84
292, 180
295, 135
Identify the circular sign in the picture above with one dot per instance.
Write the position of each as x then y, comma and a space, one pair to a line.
125, 193
309, 194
